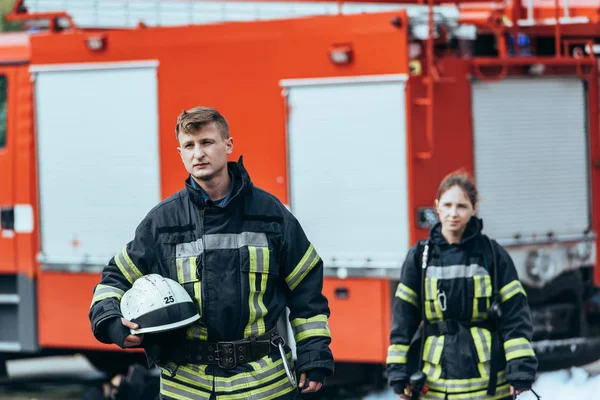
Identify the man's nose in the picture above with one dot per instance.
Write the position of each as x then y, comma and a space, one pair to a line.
198, 153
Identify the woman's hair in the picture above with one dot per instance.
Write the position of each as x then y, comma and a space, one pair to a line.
461, 179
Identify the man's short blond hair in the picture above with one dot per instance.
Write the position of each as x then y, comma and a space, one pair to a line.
195, 119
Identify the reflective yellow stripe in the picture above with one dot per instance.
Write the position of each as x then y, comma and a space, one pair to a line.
181, 392
197, 331
308, 261
483, 343
407, 294
517, 348
482, 286
104, 292
397, 354
433, 371
265, 370
433, 310
502, 391
463, 385
432, 352
309, 327
511, 289
272, 391
259, 268
127, 267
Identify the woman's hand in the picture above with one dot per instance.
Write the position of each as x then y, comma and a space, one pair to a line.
516, 392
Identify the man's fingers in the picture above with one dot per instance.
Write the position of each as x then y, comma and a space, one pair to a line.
302, 380
133, 340
312, 387
129, 324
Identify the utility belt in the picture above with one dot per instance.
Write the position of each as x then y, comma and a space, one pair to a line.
225, 354
451, 326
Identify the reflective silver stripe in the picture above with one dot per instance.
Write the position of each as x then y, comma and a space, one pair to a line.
501, 392
397, 354
266, 371
309, 327
407, 294
191, 375
221, 241
464, 385
511, 289
104, 291
484, 345
180, 391
257, 276
186, 269
308, 261
129, 270
189, 249
518, 347
435, 350
456, 271
272, 391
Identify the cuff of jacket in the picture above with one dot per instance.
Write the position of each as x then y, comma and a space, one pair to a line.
398, 387
521, 385
100, 313
115, 331
315, 359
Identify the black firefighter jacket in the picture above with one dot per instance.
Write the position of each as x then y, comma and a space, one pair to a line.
243, 264
458, 287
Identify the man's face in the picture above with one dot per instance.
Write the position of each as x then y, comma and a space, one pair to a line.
204, 153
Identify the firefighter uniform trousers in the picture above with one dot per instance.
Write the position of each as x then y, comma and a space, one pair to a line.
457, 293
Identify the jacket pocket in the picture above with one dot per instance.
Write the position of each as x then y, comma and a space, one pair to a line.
432, 356
433, 309
482, 293
482, 339
257, 270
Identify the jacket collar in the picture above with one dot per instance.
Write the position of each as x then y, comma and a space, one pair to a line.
473, 230
242, 180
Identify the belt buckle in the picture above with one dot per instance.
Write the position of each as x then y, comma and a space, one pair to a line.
226, 355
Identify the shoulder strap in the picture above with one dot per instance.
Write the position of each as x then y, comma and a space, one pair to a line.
424, 250
490, 259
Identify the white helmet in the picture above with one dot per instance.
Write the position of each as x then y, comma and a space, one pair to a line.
158, 304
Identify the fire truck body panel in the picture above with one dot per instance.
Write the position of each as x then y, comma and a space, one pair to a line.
347, 143
91, 200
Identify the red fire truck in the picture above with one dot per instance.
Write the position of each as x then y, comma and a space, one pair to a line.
351, 119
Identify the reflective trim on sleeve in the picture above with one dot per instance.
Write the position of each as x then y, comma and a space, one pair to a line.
397, 354
308, 261
104, 292
511, 289
407, 294
258, 276
129, 270
517, 348
310, 327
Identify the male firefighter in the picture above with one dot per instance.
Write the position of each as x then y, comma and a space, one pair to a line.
243, 257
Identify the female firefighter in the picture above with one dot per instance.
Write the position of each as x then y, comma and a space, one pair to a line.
461, 322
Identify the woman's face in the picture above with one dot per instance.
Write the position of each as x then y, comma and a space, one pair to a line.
454, 210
